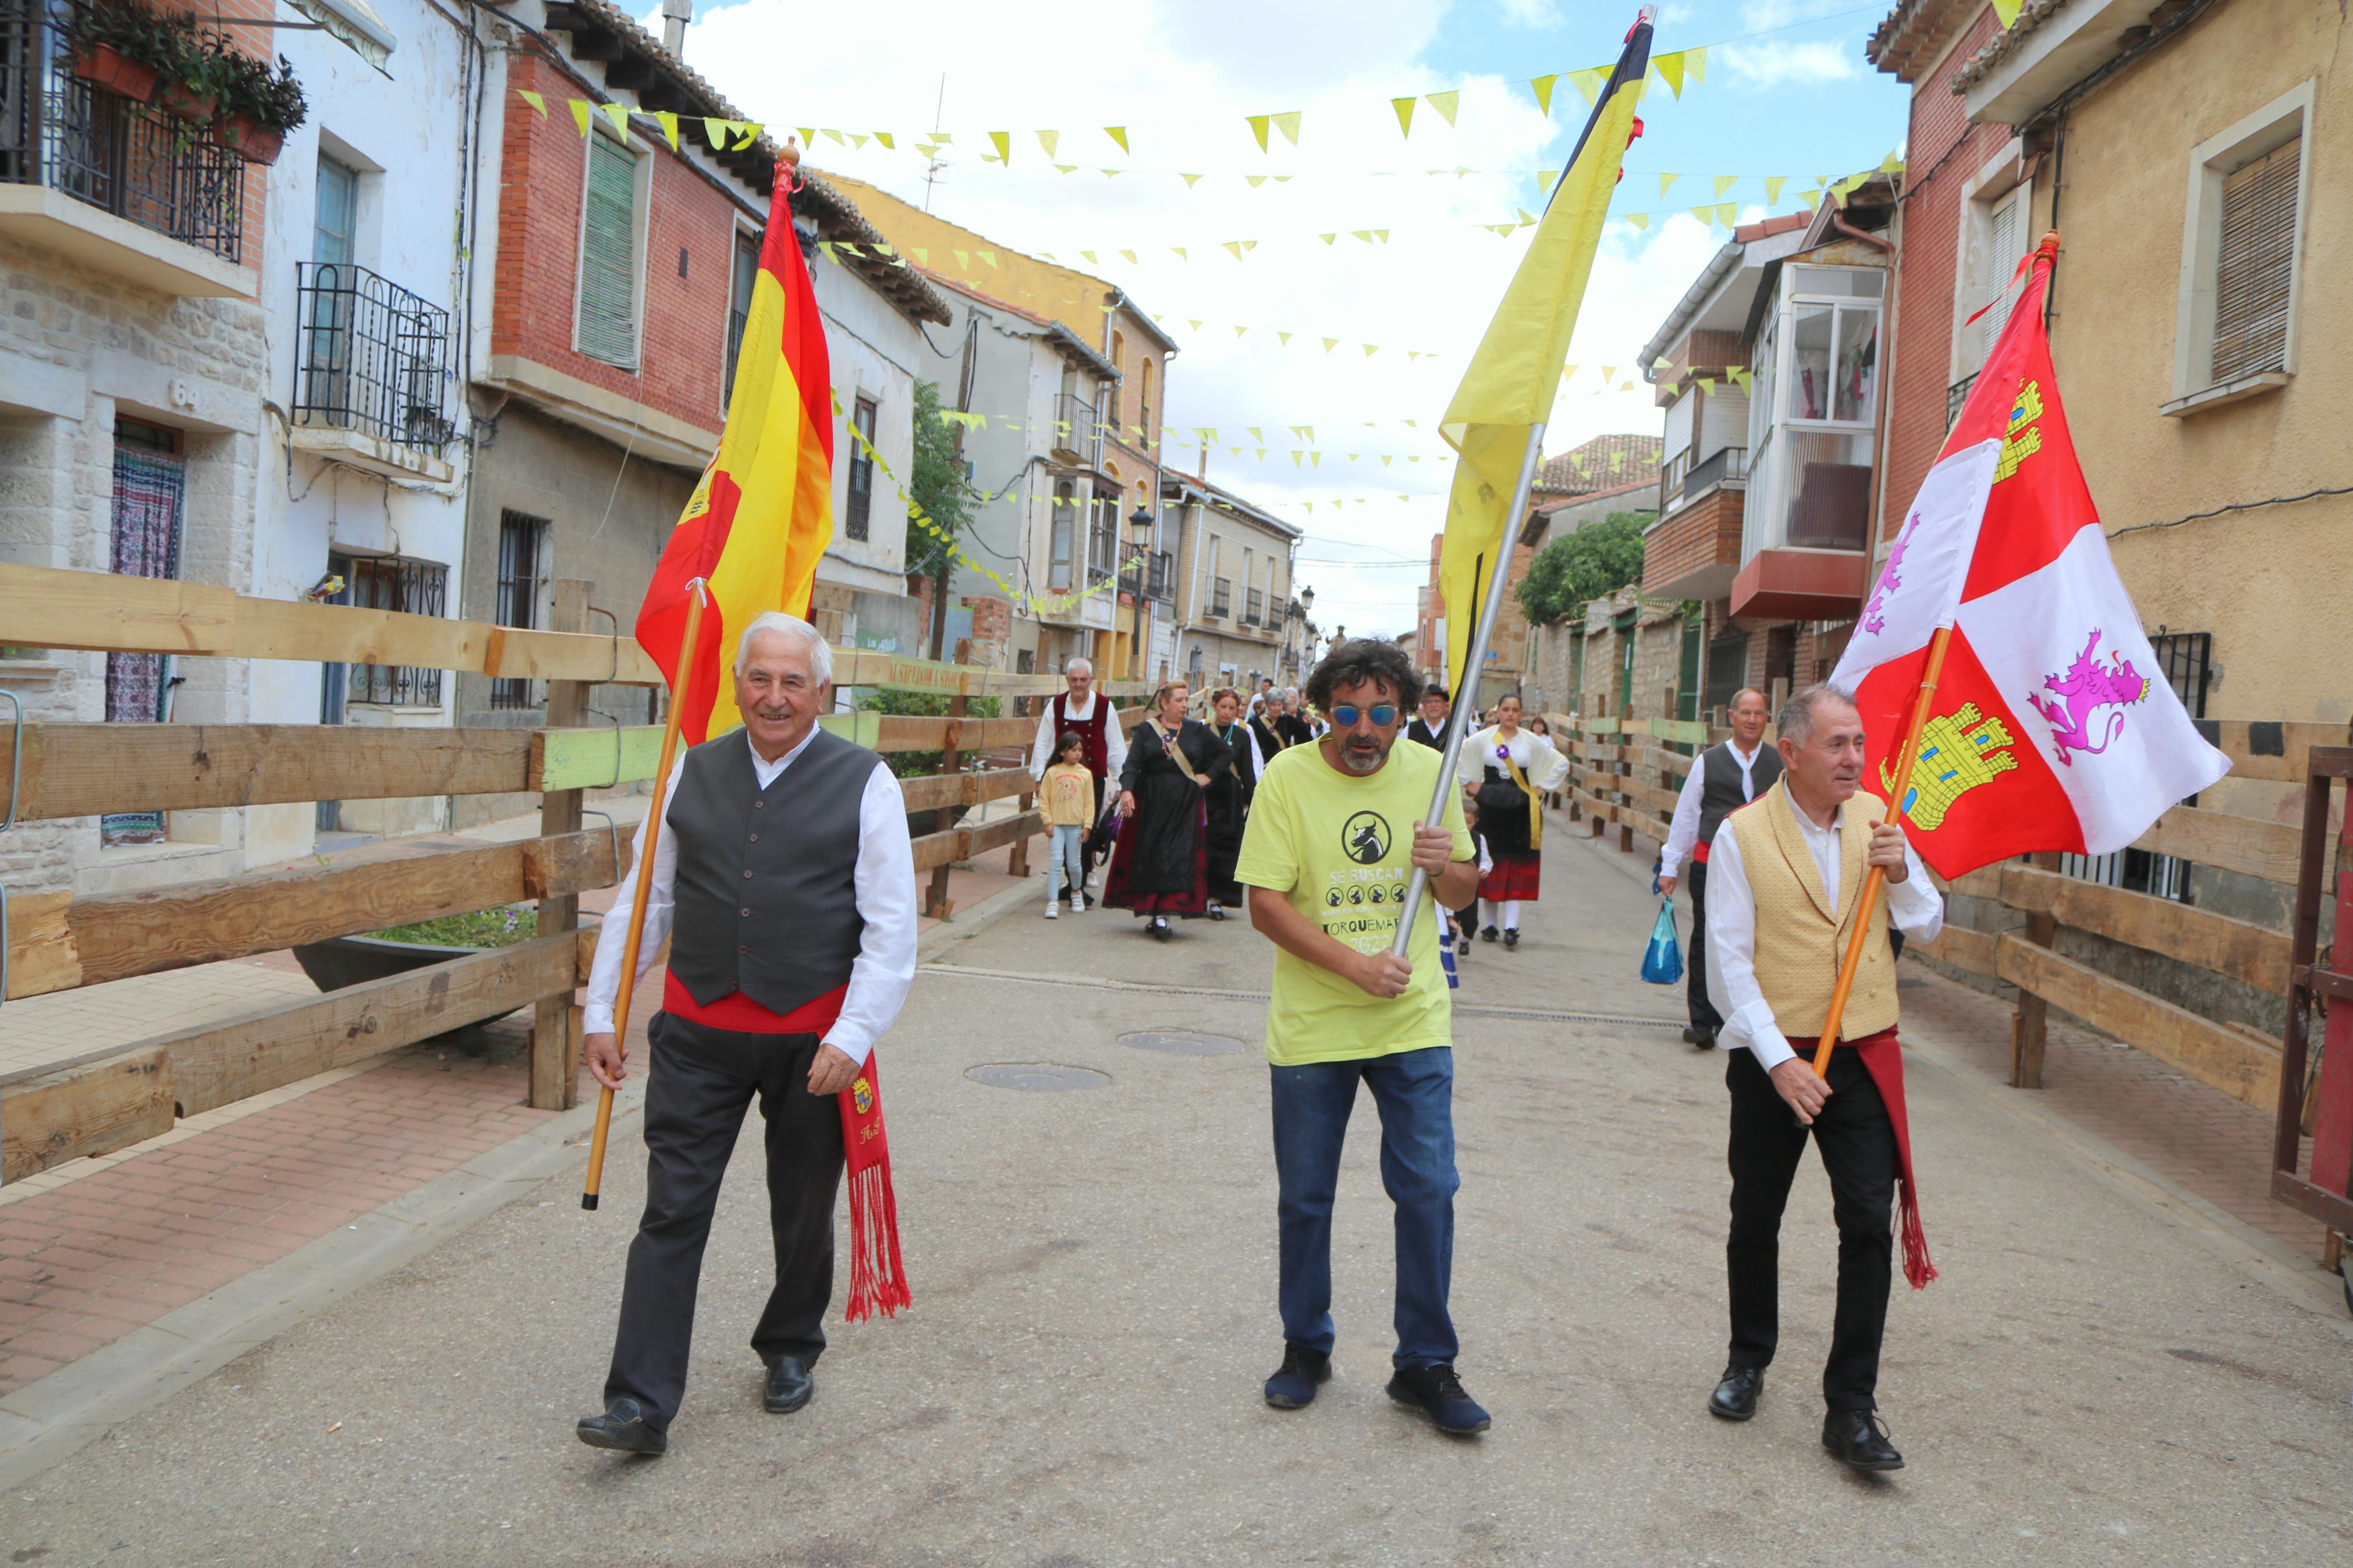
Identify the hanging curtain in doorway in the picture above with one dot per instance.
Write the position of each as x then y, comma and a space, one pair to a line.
148, 490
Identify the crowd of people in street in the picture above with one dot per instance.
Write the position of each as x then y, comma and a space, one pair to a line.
790, 959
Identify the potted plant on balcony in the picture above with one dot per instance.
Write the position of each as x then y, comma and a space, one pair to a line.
192, 84
257, 109
120, 48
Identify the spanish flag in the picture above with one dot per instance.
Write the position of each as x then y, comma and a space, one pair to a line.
1507, 391
764, 510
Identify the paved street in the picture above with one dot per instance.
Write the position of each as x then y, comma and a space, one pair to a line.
2104, 1374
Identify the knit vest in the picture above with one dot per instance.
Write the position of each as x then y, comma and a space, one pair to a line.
1799, 946
1090, 729
1720, 795
766, 893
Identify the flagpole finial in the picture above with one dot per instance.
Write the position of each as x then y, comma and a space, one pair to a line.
790, 158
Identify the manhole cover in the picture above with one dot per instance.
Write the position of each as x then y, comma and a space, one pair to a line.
1180, 1044
1036, 1078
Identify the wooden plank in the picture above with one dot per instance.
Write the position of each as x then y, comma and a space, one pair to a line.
552, 1075
218, 1064
573, 759
93, 1108
2269, 750
58, 945
1005, 830
2240, 949
2239, 1064
869, 667
2247, 844
85, 770
937, 790
1985, 883
1960, 947
1686, 731
44, 608
934, 851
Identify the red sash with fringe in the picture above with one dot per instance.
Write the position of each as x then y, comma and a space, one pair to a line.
1883, 1059
878, 1276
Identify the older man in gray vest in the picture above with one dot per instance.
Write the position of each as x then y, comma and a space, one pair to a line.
784, 881
1723, 779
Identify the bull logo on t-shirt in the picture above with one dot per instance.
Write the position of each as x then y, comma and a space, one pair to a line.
1365, 838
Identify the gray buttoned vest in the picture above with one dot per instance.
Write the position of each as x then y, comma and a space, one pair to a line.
766, 894
1720, 793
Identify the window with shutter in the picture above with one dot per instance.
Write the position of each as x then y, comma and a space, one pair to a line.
2004, 245
608, 255
2256, 264
858, 523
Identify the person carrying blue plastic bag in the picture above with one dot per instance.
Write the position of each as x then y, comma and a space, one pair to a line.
1662, 961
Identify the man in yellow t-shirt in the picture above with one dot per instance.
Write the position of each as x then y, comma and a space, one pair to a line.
1335, 834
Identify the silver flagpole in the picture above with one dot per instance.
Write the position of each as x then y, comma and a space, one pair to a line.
1467, 678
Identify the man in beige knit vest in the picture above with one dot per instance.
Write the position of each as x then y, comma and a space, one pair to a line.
1783, 889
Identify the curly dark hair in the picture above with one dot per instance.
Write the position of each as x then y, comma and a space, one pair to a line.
1361, 659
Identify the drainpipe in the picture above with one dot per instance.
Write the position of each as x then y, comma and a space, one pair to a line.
1886, 375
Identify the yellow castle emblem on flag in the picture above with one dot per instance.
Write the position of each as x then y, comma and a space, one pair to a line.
1958, 752
2022, 440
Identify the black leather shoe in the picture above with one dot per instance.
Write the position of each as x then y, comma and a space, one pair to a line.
1292, 1387
1463, 945
1735, 1394
1858, 1439
1158, 926
790, 1386
1512, 937
1487, 936
1693, 1034
1438, 1393
623, 1429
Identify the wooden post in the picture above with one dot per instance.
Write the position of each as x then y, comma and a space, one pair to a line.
1017, 861
2029, 1025
554, 1032
936, 899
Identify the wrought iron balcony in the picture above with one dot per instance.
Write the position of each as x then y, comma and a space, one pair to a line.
128, 159
1680, 477
369, 356
1078, 431
1956, 395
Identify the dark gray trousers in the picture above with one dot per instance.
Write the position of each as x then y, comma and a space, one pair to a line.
701, 1083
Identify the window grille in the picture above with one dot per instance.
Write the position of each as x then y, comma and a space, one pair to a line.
739, 308
412, 587
608, 255
522, 545
2256, 264
1221, 597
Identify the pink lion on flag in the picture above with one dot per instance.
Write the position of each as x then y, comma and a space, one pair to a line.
2087, 687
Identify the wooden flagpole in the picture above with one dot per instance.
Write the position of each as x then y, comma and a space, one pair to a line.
695, 588
1868, 900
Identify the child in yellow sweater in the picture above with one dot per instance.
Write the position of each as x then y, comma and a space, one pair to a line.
1066, 797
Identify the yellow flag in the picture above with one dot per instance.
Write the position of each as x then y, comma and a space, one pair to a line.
534, 100
1003, 142
669, 123
1544, 86
1129, 256
1404, 107
1671, 72
1444, 103
1725, 181
618, 113
581, 110
1588, 82
1258, 123
2006, 13
1119, 134
1773, 183
1048, 141
884, 137
1695, 65
1666, 180
1507, 390
1639, 221
1190, 180
1287, 123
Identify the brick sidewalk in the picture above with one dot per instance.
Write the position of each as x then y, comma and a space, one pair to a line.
96, 1249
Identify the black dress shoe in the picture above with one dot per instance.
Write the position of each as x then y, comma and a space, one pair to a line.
1158, 926
1735, 1394
790, 1386
1487, 936
1858, 1439
1512, 937
1693, 1034
623, 1429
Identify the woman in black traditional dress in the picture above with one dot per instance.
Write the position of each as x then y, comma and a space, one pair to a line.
1161, 865
1508, 770
1230, 788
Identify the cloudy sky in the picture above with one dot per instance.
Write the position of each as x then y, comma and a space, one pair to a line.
1786, 94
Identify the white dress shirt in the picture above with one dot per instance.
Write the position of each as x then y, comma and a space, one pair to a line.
1683, 832
1914, 906
1042, 751
885, 964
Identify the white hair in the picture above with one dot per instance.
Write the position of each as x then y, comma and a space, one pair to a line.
1077, 665
776, 623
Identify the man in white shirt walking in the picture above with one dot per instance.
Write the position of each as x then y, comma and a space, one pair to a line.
1788, 874
1723, 779
783, 878
1097, 725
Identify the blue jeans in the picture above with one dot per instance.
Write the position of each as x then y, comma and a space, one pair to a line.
1414, 1092
1062, 850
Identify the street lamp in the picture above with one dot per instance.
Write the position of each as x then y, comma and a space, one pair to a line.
1139, 528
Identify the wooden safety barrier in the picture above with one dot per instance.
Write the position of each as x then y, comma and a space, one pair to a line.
55, 942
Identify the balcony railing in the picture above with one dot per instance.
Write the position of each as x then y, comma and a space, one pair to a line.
1956, 395
1078, 430
128, 159
1221, 598
1160, 582
369, 356
1682, 477
1254, 608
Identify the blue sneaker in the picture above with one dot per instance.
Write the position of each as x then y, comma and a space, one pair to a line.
1437, 1392
1292, 1387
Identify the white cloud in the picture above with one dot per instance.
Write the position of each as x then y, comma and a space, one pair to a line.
1182, 75
1529, 13
1760, 67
